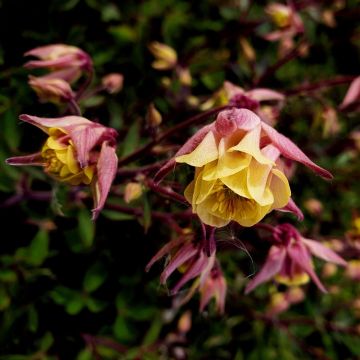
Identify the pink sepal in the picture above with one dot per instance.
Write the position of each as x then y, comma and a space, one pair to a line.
271, 267
352, 95
291, 151
263, 94
293, 208
32, 159
106, 171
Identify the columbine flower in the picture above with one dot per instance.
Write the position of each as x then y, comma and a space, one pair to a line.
59, 57
188, 257
281, 301
237, 176
51, 89
166, 57
288, 24
289, 260
254, 100
77, 151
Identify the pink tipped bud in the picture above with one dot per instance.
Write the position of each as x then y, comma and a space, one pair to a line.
113, 83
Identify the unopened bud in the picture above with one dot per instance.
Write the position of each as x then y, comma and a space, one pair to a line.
329, 270
184, 324
314, 206
248, 50
132, 192
353, 270
113, 83
295, 295
184, 76
331, 123
166, 57
153, 116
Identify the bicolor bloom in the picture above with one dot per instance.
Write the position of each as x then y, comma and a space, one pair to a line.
54, 90
238, 175
188, 257
289, 260
254, 100
77, 151
288, 24
58, 57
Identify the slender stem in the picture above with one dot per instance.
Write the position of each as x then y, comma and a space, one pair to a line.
319, 85
193, 120
74, 107
271, 70
168, 192
139, 170
85, 84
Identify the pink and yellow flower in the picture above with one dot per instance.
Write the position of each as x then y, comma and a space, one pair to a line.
289, 261
238, 175
77, 151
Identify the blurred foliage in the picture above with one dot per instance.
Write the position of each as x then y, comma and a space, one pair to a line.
74, 289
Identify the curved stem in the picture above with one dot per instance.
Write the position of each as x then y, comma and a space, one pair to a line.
74, 107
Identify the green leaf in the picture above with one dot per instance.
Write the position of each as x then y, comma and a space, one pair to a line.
8, 276
121, 329
39, 248
147, 214
154, 331
5, 299
85, 354
75, 305
124, 34
86, 228
11, 129
131, 140
95, 305
94, 277
33, 319
116, 216
46, 342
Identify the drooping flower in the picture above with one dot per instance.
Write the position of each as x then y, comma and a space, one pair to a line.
59, 57
54, 90
257, 100
288, 23
289, 260
77, 151
188, 257
237, 171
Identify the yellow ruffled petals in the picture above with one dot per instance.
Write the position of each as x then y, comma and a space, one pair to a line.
280, 188
250, 144
296, 280
54, 144
204, 153
257, 178
237, 183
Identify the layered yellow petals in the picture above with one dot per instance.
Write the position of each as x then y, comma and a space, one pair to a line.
60, 160
234, 182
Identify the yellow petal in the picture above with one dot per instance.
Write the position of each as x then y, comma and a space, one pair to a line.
54, 144
257, 178
202, 189
61, 155
237, 183
203, 211
89, 174
64, 171
250, 144
204, 153
71, 162
189, 192
280, 188
248, 213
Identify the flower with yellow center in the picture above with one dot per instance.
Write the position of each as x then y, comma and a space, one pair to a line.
238, 174
77, 151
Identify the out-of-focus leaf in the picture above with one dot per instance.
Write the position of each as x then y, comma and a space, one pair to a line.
121, 329
8, 276
153, 333
85, 354
39, 248
124, 34
110, 12
46, 341
116, 216
5, 299
131, 140
86, 228
94, 277
11, 129
75, 304
147, 214
95, 305
33, 319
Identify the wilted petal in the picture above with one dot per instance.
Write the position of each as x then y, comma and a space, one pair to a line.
323, 252
291, 151
32, 159
271, 267
300, 255
106, 171
67, 122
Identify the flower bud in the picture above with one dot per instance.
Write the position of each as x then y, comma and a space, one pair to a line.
133, 191
113, 83
153, 116
166, 57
